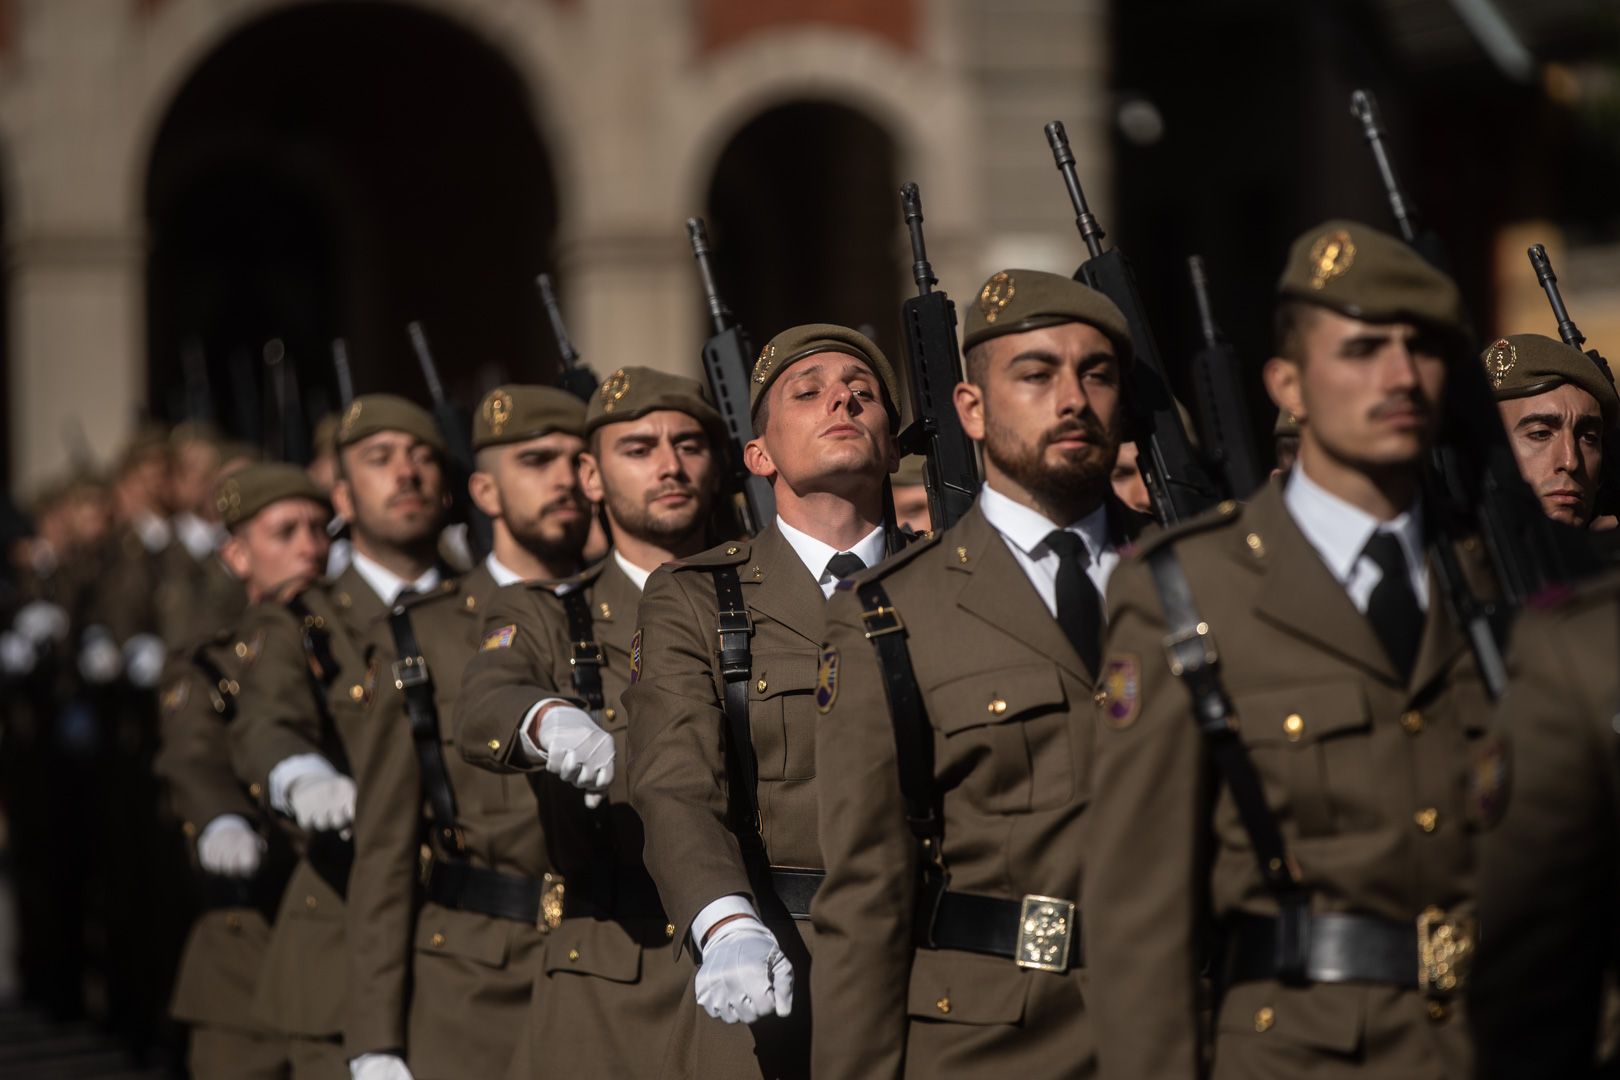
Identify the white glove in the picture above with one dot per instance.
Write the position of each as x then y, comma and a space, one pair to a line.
229, 847
744, 975
575, 748
100, 660
41, 621
143, 660
322, 803
379, 1067
17, 655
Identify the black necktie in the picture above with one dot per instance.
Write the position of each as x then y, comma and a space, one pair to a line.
844, 564
1393, 607
1079, 608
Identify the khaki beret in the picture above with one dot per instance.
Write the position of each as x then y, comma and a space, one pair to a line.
324, 440
246, 492
371, 413
1366, 274
148, 443
1013, 301
1523, 365
512, 413
632, 392
798, 342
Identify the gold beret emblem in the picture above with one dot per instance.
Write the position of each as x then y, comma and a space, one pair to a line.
762, 366
996, 295
230, 497
498, 410
1499, 360
1331, 256
350, 418
614, 387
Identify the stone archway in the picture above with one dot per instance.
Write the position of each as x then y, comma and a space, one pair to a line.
339, 169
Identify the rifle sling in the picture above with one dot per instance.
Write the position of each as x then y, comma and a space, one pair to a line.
735, 628
1190, 650
323, 669
585, 658
413, 679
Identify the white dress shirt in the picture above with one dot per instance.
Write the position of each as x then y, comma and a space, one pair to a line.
498, 570
1026, 530
816, 555
636, 574
1339, 532
387, 584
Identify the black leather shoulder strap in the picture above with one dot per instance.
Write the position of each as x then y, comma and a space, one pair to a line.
323, 670
415, 681
1189, 648
219, 689
585, 653
735, 628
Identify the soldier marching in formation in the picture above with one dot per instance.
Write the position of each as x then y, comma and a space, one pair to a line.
885, 783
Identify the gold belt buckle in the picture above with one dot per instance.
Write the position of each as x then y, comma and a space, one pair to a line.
1445, 951
1045, 933
550, 915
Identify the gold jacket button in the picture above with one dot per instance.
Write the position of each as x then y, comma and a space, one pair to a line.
1412, 721
1428, 819
760, 686
310, 902
731, 550
573, 954
241, 649
254, 790
494, 744
1264, 1018
356, 692
437, 941
943, 1004
1294, 726
669, 931
1438, 1011
608, 713
997, 706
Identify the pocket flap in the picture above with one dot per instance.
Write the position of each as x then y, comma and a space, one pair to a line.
1321, 1017
995, 697
1302, 714
777, 673
464, 934
588, 947
966, 988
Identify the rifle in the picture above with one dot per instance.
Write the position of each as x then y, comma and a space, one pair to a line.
345, 376
574, 377
1217, 379
1566, 326
1474, 475
480, 532
929, 320
1177, 482
726, 363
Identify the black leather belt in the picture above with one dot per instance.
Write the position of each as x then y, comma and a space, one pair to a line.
261, 893
795, 888
465, 887
1040, 932
1433, 954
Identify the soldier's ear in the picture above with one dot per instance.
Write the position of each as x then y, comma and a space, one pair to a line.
1282, 378
486, 495
758, 459
590, 477
233, 553
343, 498
969, 400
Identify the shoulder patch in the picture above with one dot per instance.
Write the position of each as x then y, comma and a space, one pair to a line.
1490, 770
827, 680
1121, 695
499, 639
635, 657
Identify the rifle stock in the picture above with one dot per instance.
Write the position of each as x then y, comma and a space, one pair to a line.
574, 376
951, 474
1178, 484
480, 531
726, 361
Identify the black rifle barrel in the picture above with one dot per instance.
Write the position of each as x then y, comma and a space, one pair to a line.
921, 271
1364, 107
548, 297
1549, 283
345, 374
1090, 231
424, 358
1206, 313
698, 233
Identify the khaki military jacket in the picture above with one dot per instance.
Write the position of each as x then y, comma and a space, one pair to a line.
1549, 867
302, 990
610, 967
1010, 704
224, 951
433, 973
196, 599
1364, 773
125, 590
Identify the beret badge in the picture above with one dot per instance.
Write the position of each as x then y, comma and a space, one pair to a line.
762, 366
1499, 360
498, 410
613, 389
1331, 256
997, 293
351, 417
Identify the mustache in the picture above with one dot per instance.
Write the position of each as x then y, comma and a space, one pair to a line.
1399, 403
689, 490
562, 502
1087, 426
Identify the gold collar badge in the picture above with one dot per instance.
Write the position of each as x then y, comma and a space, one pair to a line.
1331, 256
1499, 360
997, 293
613, 390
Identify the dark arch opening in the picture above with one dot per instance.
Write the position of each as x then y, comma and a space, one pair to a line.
804, 212
339, 170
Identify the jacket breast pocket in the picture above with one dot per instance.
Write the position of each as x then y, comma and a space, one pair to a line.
965, 988
1313, 749
1007, 738
782, 714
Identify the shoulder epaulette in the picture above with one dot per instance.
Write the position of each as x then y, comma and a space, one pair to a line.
581, 580
447, 587
1153, 539
919, 544
1557, 597
730, 553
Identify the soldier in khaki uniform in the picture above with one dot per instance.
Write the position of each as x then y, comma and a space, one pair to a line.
729, 642
1355, 708
466, 958
610, 965
277, 546
197, 595
1549, 865
956, 692
309, 691
1558, 408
